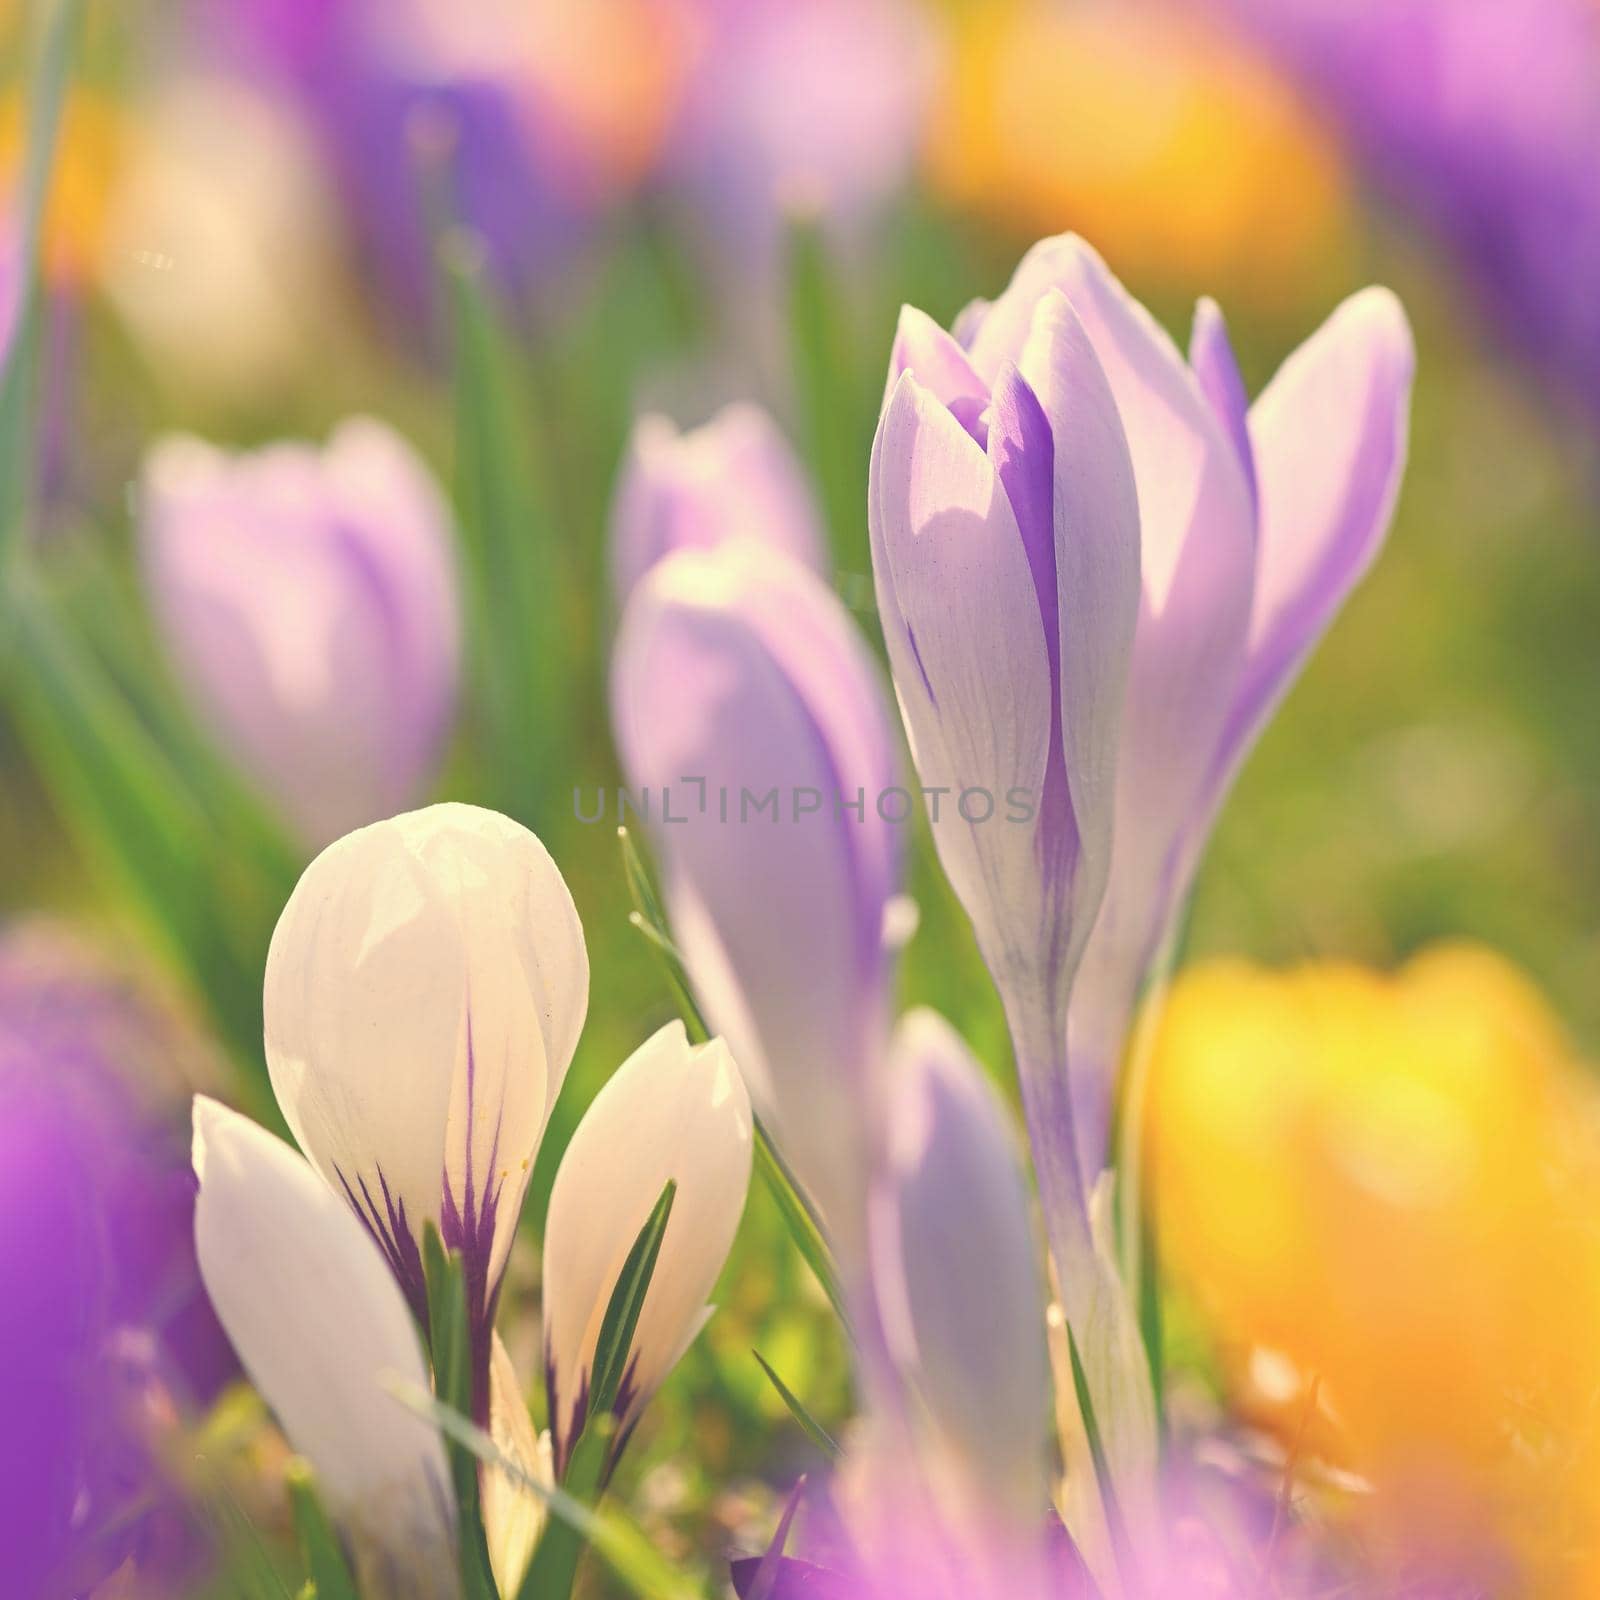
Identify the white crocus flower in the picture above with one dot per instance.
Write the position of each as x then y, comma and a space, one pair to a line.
323, 1331
425, 989
675, 1112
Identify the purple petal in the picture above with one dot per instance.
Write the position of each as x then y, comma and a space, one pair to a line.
1329, 438
1211, 356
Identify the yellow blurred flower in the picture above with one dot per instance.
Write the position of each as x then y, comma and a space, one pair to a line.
1392, 1183
87, 165
1183, 159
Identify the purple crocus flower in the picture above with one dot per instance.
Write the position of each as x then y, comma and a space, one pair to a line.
751, 720
734, 476
1479, 119
1006, 552
103, 1320
308, 601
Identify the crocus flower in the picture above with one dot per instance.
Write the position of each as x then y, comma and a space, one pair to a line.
103, 1320
748, 711
1006, 552
425, 989
955, 1270
1479, 120
1257, 521
671, 1112
325, 1334
308, 601
734, 476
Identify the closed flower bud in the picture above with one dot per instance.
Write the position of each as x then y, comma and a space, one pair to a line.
308, 601
735, 476
672, 1113
426, 986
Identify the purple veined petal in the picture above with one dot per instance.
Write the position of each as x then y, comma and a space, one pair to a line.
956, 1270
1096, 529
937, 359
967, 648
1329, 436
1217, 372
734, 477
750, 717
796, 1580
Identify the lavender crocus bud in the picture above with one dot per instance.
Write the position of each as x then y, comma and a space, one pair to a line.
308, 601
1006, 552
956, 1272
323, 1330
425, 989
734, 476
750, 717
672, 1112
1256, 523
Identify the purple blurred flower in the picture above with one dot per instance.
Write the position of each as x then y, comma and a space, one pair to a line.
740, 684
813, 102
545, 111
308, 600
103, 1321
734, 476
1481, 119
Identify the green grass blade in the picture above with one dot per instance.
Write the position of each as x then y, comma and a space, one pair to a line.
616, 1539
319, 1544
49, 79
813, 1430
515, 569
626, 1303
450, 1344
1116, 1525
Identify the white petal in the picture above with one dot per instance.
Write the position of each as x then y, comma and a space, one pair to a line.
425, 989
671, 1111
513, 1515
323, 1331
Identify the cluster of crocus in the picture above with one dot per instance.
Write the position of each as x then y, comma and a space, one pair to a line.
1098, 568
425, 991
105, 1333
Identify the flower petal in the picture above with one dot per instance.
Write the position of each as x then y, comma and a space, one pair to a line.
322, 1328
425, 988
671, 1111
513, 1515
1217, 372
956, 1266
967, 648
750, 716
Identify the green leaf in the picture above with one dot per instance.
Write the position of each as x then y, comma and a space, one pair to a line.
809, 1425
209, 893
1116, 1526
626, 1303
49, 78
319, 1544
836, 431
617, 1540
450, 1345
515, 568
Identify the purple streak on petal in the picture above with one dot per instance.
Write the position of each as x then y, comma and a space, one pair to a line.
1211, 356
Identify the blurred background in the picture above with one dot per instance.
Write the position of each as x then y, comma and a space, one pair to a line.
506, 229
